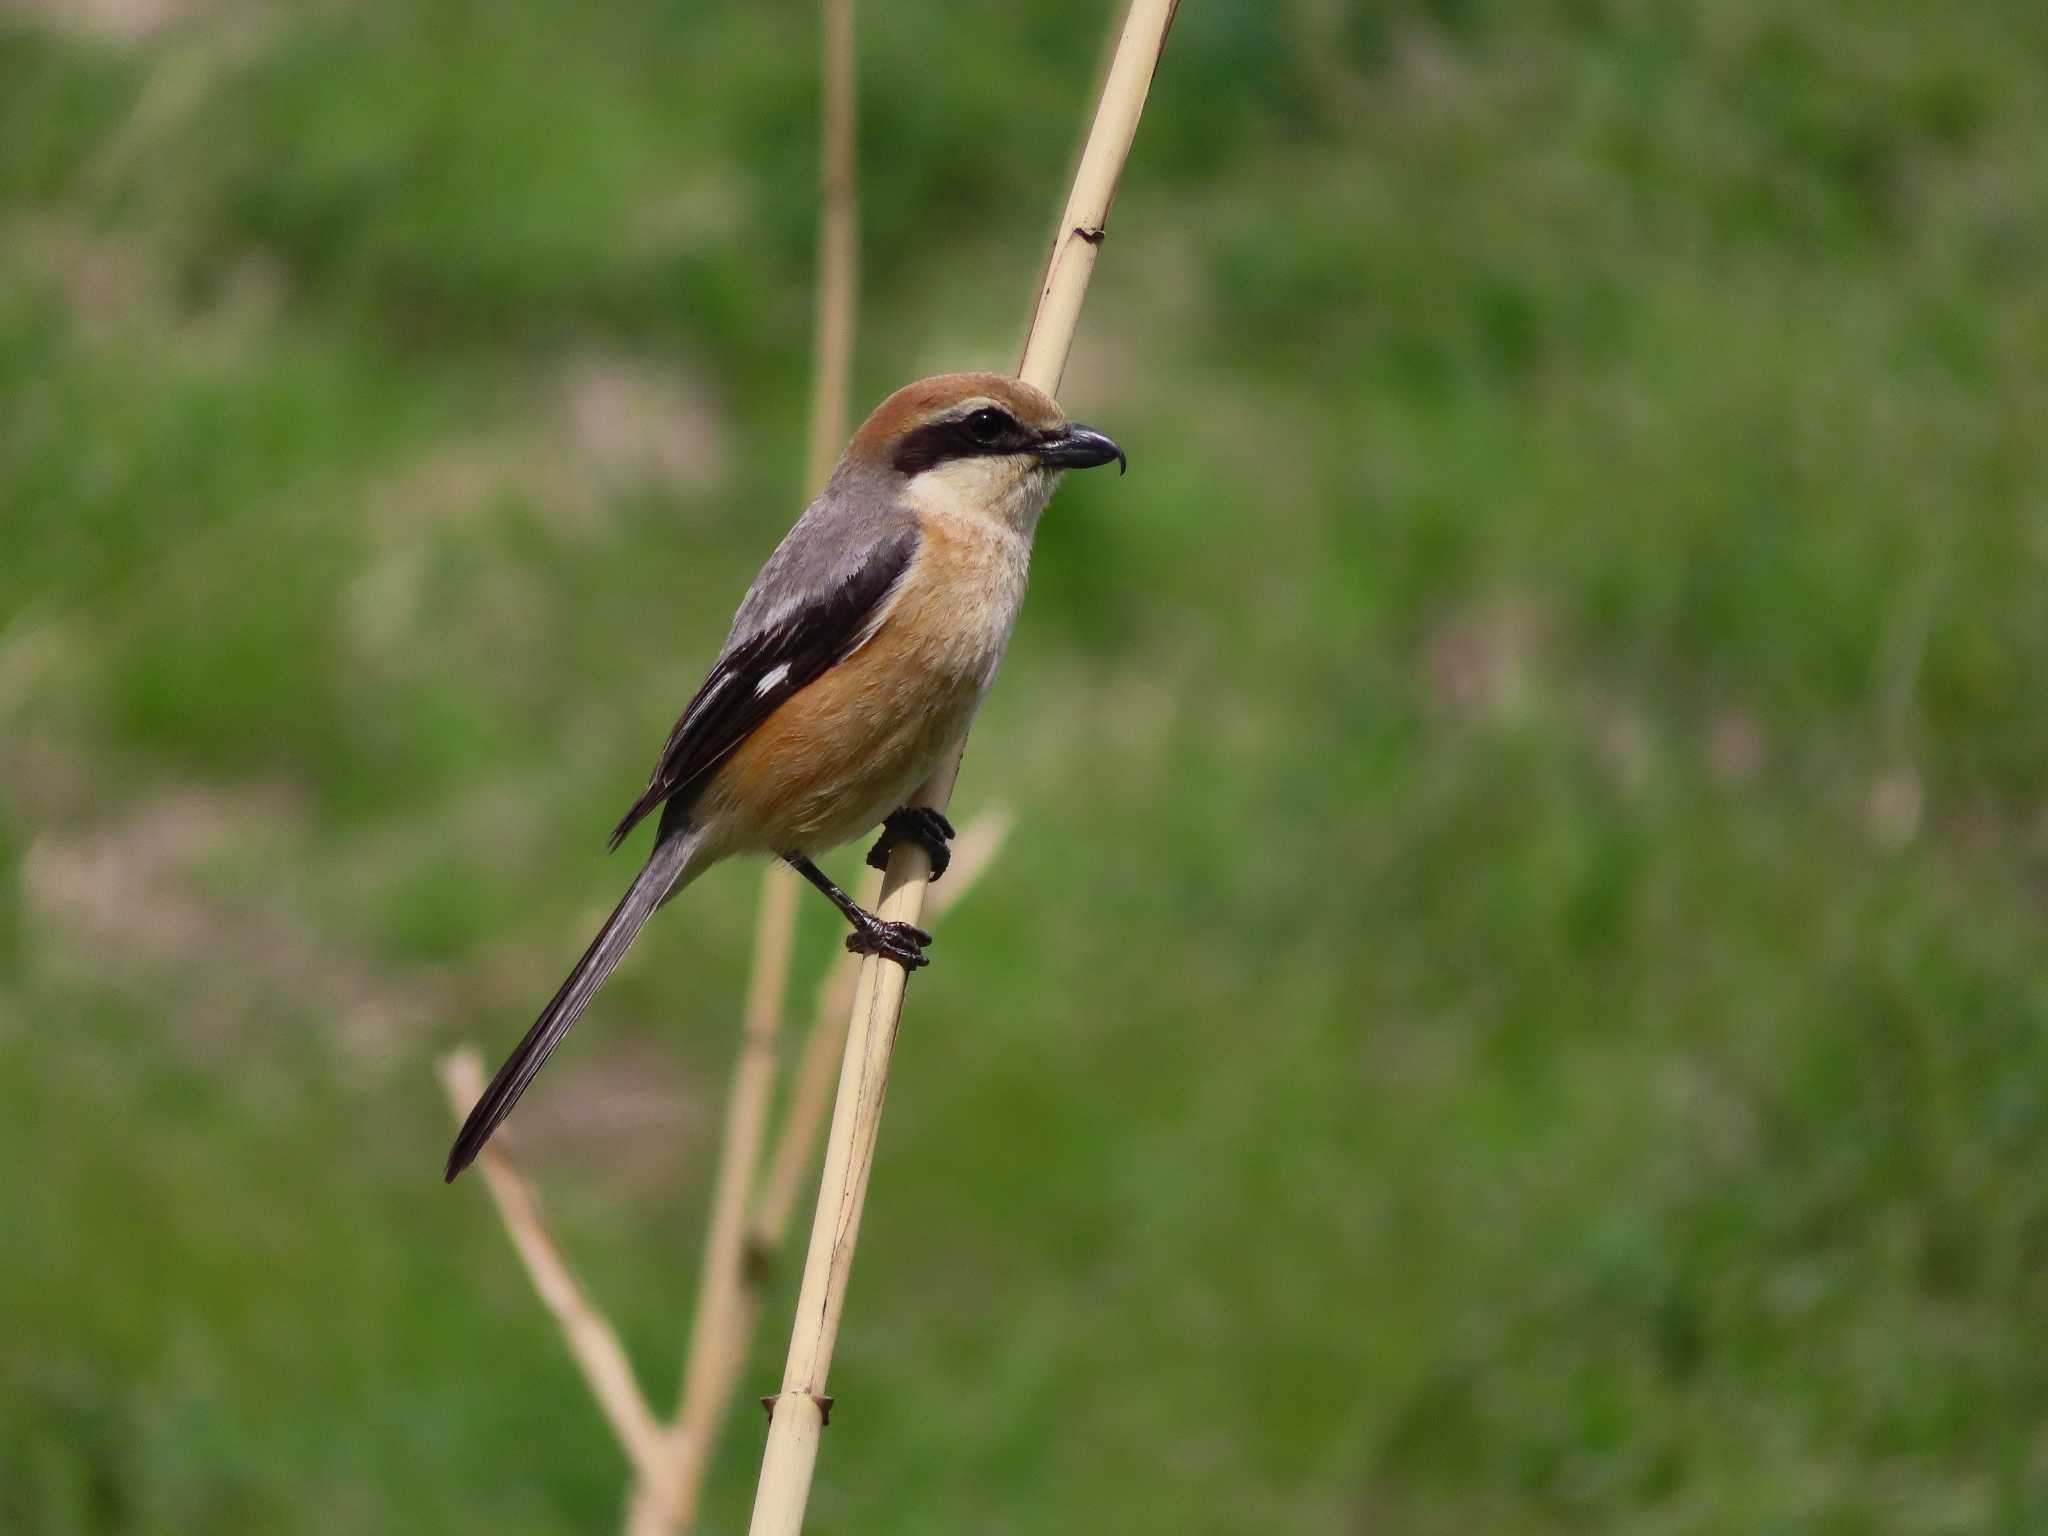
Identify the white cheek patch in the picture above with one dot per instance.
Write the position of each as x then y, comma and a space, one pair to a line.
1008, 488
770, 679
981, 480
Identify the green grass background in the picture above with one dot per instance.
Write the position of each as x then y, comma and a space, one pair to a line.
1516, 999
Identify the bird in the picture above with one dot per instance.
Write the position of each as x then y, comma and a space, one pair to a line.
856, 661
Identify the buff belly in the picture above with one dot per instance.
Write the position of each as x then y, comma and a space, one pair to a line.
843, 753
795, 787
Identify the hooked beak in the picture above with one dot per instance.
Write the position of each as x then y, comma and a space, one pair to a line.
1078, 447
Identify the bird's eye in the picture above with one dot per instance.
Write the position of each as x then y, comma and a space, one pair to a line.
987, 425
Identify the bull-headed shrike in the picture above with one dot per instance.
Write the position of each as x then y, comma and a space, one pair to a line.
855, 663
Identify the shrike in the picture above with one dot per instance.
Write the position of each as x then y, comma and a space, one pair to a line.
856, 661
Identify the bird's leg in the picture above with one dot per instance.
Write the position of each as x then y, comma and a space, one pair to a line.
917, 824
900, 942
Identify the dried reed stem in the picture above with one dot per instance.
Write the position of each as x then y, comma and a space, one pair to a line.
719, 1349
838, 246
590, 1337
980, 840
723, 1325
798, 1414
810, 1095
712, 1358
660, 1497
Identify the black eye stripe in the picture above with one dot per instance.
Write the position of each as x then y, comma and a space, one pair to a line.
984, 432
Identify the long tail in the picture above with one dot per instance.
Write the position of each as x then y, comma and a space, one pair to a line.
668, 868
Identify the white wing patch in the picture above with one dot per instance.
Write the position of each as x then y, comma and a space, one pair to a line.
770, 679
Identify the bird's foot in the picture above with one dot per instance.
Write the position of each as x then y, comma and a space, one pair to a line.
917, 824
900, 942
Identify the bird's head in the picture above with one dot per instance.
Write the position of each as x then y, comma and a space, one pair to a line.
977, 443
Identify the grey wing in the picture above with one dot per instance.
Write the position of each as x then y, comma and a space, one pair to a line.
829, 545
803, 616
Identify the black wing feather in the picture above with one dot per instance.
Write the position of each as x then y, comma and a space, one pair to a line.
732, 702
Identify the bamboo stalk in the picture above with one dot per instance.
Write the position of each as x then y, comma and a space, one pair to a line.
590, 1337
798, 1414
722, 1326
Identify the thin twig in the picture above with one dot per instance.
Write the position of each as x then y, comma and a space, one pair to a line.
590, 1337
723, 1323
798, 1415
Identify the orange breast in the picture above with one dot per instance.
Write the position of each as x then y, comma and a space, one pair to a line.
841, 754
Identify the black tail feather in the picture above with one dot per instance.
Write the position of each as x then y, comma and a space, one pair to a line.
664, 872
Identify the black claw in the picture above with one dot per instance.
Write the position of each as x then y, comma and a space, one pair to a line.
918, 824
895, 941
871, 935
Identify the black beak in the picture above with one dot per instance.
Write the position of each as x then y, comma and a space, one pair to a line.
1078, 447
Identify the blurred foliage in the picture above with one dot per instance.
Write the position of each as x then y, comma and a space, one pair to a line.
1515, 1002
